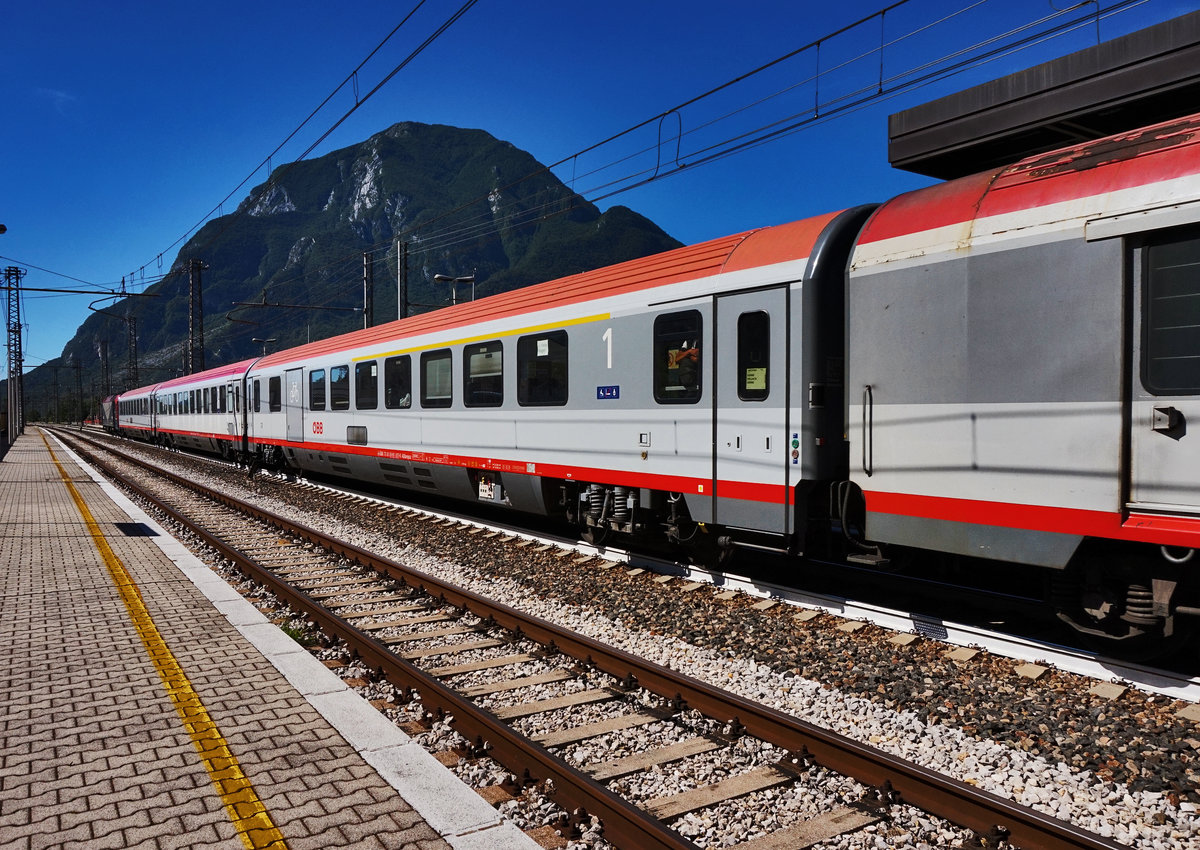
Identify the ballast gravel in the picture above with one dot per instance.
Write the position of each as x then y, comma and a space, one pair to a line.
1127, 769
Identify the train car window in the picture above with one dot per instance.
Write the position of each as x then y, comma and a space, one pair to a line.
754, 356
339, 388
366, 385
436, 381
542, 369
1171, 316
397, 382
483, 374
275, 394
677, 338
257, 395
316, 389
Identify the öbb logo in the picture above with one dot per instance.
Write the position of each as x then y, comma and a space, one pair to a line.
318, 427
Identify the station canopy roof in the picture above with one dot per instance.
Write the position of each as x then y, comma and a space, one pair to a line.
1145, 77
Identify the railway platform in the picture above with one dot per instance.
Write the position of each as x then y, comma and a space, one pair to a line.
144, 703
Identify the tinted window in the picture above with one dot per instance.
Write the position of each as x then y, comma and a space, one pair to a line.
274, 394
542, 368
397, 382
257, 395
436, 381
366, 385
677, 342
483, 374
754, 356
1171, 325
316, 389
339, 388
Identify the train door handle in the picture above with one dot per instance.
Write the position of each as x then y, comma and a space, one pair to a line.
868, 428
1169, 421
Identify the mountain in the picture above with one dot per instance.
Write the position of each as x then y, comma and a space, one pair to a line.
461, 200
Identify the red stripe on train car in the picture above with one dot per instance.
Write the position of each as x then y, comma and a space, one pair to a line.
769, 493
1140, 528
205, 434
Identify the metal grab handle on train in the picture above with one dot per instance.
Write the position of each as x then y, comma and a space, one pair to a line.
868, 441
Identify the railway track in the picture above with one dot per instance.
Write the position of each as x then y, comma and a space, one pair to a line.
471, 659
1093, 664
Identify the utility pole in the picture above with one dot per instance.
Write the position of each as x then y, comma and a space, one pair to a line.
131, 323
195, 353
401, 279
79, 389
368, 289
16, 381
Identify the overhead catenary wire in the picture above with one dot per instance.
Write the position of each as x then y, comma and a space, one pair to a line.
455, 233
973, 55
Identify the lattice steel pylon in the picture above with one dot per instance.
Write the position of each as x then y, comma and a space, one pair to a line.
16, 403
195, 352
131, 323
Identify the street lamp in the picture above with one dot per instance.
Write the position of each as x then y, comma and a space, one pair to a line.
264, 343
454, 282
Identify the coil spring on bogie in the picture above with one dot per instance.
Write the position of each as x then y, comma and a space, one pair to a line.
621, 511
595, 495
1139, 604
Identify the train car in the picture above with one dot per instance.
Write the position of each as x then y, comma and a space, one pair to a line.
135, 414
1024, 366
204, 411
598, 398
109, 414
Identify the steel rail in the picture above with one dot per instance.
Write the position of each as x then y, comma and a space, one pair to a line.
956, 801
625, 825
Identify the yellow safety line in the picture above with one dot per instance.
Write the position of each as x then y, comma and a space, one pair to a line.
245, 809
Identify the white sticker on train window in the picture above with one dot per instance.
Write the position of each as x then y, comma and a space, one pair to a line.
543, 347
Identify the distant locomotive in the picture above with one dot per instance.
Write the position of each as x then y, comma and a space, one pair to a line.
1002, 367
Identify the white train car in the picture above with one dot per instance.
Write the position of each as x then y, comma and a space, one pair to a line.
204, 411
133, 414
598, 397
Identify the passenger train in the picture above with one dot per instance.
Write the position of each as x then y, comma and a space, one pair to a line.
1004, 367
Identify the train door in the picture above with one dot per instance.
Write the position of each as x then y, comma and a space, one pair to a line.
293, 404
1165, 400
750, 410
232, 417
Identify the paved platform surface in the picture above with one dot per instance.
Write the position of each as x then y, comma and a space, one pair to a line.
144, 703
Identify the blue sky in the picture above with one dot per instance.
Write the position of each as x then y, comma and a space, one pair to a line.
127, 123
